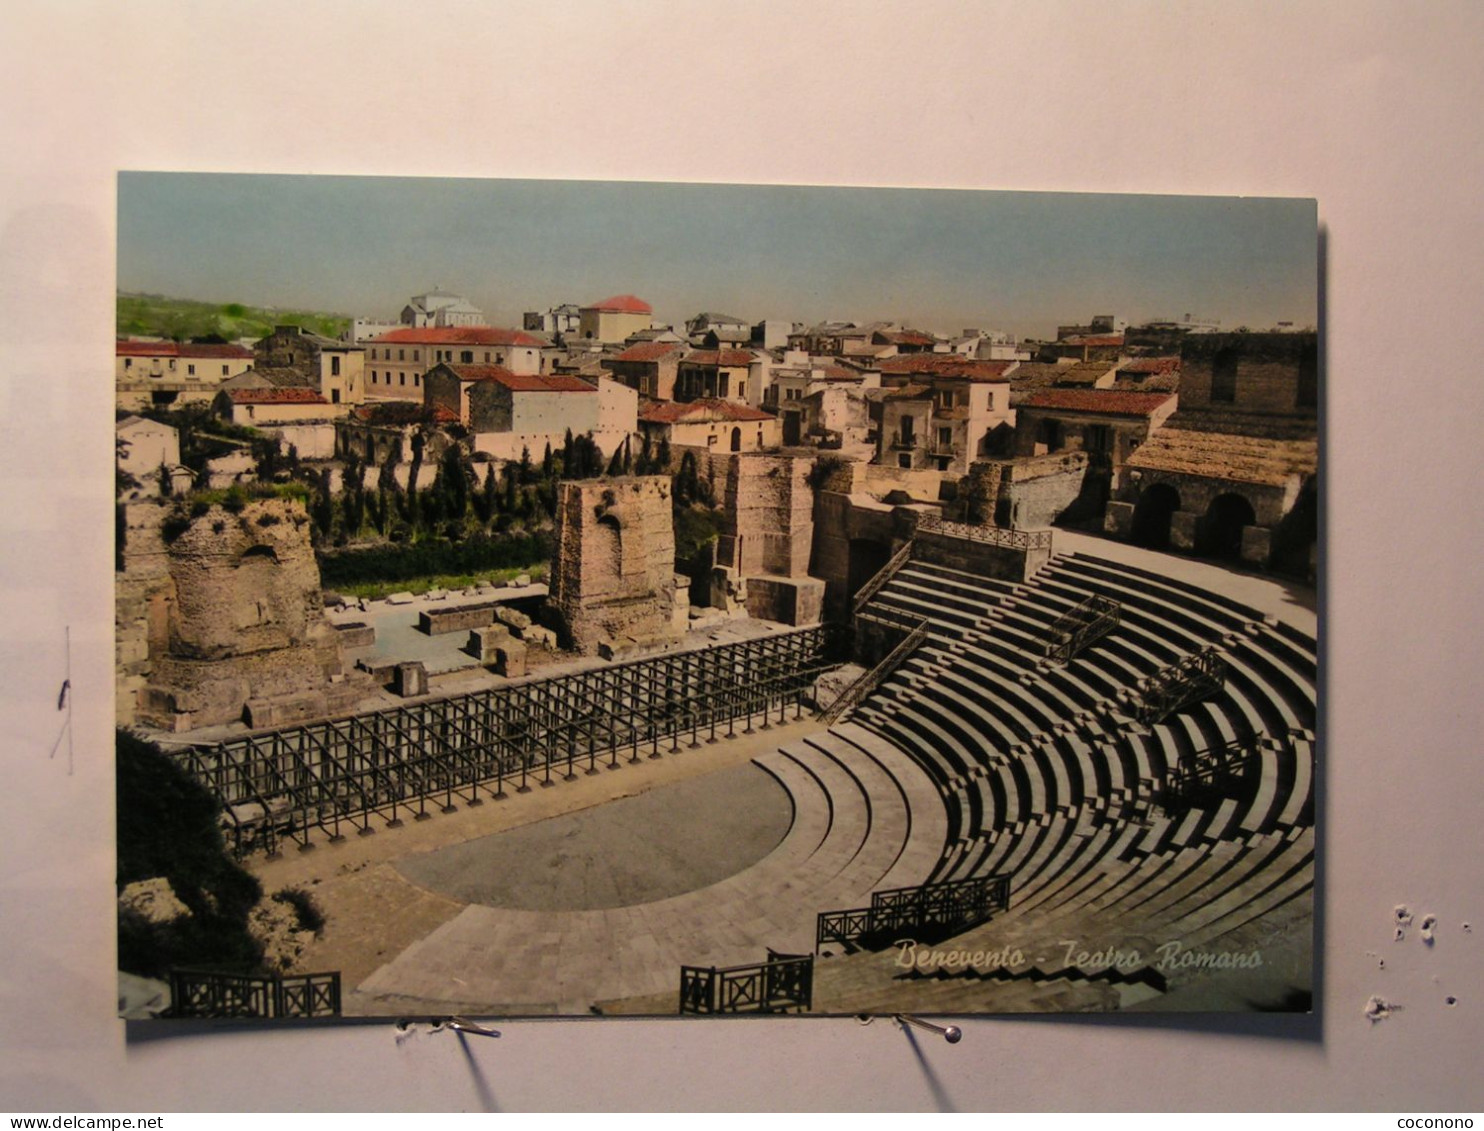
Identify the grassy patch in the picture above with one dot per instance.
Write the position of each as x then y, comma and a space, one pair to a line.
157, 316
374, 590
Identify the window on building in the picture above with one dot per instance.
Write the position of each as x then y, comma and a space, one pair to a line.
191, 370
224, 370
945, 437
467, 357
172, 364
1224, 376
945, 398
128, 363
335, 365
417, 355
904, 461
334, 396
401, 378
401, 355
711, 440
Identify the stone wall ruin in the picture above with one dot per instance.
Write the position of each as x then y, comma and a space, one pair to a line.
220, 620
613, 583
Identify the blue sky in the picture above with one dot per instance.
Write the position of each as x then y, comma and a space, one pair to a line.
937, 259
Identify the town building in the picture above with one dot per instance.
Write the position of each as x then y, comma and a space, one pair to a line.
714, 374
441, 309
613, 319
560, 321
710, 424
164, 374
278, 405
1232, 473
508, 411
649, 368
942, 411
142, 449
334, 369
727, 326
1108, 424
397, 361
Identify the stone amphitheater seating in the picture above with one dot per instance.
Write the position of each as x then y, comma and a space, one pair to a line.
1038, 771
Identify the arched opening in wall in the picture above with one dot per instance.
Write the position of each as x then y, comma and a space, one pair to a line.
736, 439
867, 556
1151, 521
370, 449
607, 549
1219, 532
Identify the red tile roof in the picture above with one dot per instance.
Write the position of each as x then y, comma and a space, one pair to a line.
906, 337
718, 357
1093, 340
669, 412
1109, 401
178, 349
622, 304
948, 365
1152, 366
648, 351
458, 336
520, 382
908, 393
275, 396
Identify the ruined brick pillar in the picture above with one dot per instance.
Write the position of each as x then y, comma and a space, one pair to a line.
613, 579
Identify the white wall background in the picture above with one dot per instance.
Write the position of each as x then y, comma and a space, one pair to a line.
1373, 108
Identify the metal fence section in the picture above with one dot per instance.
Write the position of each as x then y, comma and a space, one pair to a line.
204, 993
928, 910
349, 775
1189, 680
782, 984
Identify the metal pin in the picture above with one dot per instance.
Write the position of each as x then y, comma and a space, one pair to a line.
950, 1033
464, 1025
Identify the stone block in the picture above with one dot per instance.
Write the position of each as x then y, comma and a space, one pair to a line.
510, 658
399, 599
411, 679
514, 618
355, 634
539, 637
484, 643
522, 580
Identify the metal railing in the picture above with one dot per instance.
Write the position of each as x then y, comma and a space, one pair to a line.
929, 910
782, 984
339, 776
1214, 772
882, 576
868, 682
989, 535
1080, 627
206, 993
1196, 677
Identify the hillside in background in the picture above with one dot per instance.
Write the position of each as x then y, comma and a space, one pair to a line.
155, 316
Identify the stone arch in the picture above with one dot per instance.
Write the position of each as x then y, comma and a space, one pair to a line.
1219, 532
1151, 522
736, 439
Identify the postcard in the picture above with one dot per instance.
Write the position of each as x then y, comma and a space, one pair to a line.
601, 599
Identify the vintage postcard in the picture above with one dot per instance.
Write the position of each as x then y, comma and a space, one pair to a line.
572, 599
